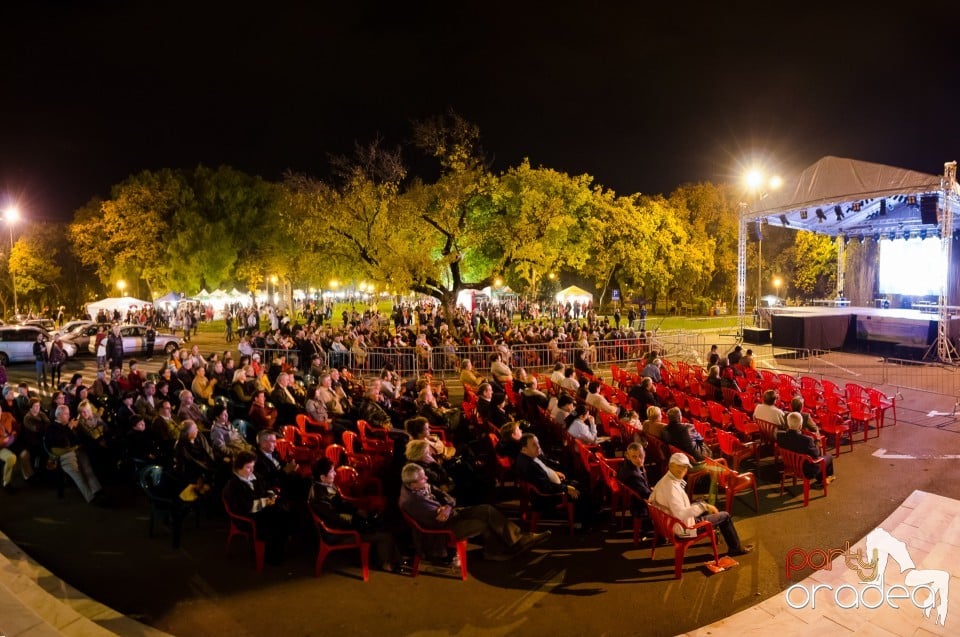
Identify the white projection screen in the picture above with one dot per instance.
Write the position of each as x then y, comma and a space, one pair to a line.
915, 267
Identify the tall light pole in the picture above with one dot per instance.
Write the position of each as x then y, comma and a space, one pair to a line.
760, 186
12, 216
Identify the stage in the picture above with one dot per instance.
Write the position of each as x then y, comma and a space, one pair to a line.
893, 332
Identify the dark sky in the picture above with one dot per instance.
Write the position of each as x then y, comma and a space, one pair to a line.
643, 97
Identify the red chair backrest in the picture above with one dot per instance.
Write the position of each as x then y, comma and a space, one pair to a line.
335, 453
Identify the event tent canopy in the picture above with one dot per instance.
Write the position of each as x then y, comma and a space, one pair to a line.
122, 304
870, 198
574, 293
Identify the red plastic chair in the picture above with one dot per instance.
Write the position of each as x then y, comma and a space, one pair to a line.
861, 414
743, 423
664, 526
768, 434
325, 549
313, 427
532, 516
748, 401
246, 527
371, 442
452, 542
833, 425
881, 403
719, 415
698, 409
363, 491
504, 465
736, 451
733, 482
793, 464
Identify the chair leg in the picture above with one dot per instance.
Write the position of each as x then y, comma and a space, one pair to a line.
321, 558
462, 554
365, 560
679, 551
415, 567
259, 548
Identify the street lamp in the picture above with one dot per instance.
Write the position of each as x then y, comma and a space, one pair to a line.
12, 216
121, 285
759, 186
777, 282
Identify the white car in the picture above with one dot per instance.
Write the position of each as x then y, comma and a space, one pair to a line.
135, 341
16, 343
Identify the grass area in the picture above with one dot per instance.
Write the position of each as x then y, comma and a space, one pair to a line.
653, 322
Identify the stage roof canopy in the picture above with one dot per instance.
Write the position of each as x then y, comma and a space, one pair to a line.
845, 196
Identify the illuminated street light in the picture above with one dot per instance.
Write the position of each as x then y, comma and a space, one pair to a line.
121, 285
12, 216
777, 282
754, 179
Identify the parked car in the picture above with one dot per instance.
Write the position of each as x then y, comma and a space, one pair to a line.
84, 336
135, 341
16, 343
47, 324
69, 327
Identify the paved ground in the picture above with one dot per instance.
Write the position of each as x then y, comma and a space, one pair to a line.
590, 584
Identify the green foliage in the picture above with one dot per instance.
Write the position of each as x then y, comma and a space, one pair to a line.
815, 271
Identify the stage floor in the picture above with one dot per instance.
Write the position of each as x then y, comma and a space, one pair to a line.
899, 313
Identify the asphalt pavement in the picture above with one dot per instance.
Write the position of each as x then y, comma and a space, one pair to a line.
592, 583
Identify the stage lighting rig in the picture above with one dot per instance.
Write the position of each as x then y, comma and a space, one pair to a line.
883, 207
837, 210
820, 216
784, 221
855, 206
803, 214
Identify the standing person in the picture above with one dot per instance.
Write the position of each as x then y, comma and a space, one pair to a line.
151, 340
228, 324
115, 348
57, 358
643, 317
42, 357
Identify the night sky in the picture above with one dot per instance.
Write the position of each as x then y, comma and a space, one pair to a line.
644, 98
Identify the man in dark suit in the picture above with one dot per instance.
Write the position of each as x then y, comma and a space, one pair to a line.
633, 475
677, 433
793, 440
643, 393
273, 472
434, 509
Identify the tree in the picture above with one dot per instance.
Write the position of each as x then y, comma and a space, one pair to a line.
815, 269
34, 262
124, 235
711, 215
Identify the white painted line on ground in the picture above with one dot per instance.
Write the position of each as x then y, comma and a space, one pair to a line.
882, 453
844, 369
939, 413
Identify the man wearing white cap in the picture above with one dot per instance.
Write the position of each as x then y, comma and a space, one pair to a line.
671, 494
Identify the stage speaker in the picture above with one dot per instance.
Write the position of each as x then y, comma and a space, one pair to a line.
753, 231
928, 209
756, 335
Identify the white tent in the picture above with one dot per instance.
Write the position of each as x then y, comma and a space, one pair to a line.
122, 304
574, 294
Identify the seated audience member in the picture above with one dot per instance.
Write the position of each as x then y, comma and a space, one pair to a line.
63, 441
274, 473
644, 395
141, 444
735, 355
438, 416
498, 413
509, 444
767, 410
35, 423
193, 459
189, 410
287, 397
203, 387
315, 407
245, 495
500, 372
677, 433
671, 495
808, 423
565, 406
581, 425
570, 384
597, 401
419, 429
419, 452
654, 424
557, 375
13, 450
531, 398
240, 389
434, 509
146, 404
652, 370
633, 474
794, 440
543, 474
261, 415
325, 501
485, 401
469, 377
225, 440
713, 380
369, 409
